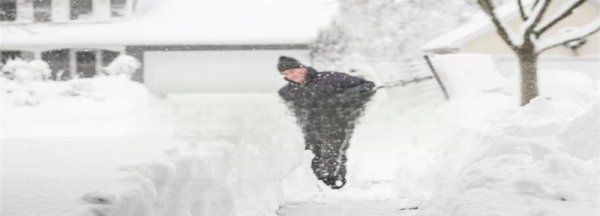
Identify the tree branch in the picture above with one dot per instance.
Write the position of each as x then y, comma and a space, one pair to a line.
558, 17
579, 34
488, 7
522, 10
535, 4
537, 14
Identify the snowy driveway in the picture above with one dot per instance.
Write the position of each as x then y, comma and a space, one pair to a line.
348, 208
49, 175
244, 141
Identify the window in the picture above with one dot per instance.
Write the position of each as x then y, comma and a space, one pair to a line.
9, 55
118, 8
81, 9
58, 60
86, 63
108, 57
42, 10
8, 10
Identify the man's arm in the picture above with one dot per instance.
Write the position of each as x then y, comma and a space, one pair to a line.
351, 83
299, 110
353, 90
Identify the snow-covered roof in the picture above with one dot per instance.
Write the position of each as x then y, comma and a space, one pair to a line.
479, 25
182, 22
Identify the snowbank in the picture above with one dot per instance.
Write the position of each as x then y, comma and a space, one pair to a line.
235, 154
481, 154
101, 106
526, 162
486, 156
22, 71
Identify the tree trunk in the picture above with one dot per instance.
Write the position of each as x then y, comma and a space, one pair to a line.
528, 66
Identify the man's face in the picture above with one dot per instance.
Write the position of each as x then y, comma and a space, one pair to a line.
297, 75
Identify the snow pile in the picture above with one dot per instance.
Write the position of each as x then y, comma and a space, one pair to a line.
105, 105
23, 71
227, 161
541, 159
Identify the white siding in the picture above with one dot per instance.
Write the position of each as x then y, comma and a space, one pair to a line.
216, 71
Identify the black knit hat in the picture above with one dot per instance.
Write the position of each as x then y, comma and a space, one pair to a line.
288, 63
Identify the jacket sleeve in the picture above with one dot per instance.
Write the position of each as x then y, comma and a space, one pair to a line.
353, 91
353, 83
299, 110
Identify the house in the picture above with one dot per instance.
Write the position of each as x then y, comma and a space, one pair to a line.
480, 36
183, 45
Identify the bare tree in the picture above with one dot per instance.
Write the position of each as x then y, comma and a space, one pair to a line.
528, 44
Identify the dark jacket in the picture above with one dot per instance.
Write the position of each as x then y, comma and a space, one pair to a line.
327, 100
324, 89
326, 108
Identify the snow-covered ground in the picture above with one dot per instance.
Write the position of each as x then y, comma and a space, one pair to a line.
106, 146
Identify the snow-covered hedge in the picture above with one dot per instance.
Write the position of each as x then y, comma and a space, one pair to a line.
22, 71
25, 83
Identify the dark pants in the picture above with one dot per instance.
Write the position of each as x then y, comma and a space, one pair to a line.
327, 131
328, 137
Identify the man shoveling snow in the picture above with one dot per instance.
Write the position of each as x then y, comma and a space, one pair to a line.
326, 106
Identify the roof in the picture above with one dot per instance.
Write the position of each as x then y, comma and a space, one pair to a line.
183, 22
479, 25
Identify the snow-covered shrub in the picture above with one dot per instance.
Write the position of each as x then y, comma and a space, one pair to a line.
123, 65
23, 71
18, 79
40, 68
14, 68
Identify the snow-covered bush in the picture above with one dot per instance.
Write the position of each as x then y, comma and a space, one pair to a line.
40, 68
22, 82
123, 65
23, 71
19, 78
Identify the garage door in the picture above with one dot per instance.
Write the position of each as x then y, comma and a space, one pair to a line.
215, 71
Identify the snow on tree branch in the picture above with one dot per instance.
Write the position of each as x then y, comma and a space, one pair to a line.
535, 4
534, 19
575, 35
522, 10
562, 13
488, 7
